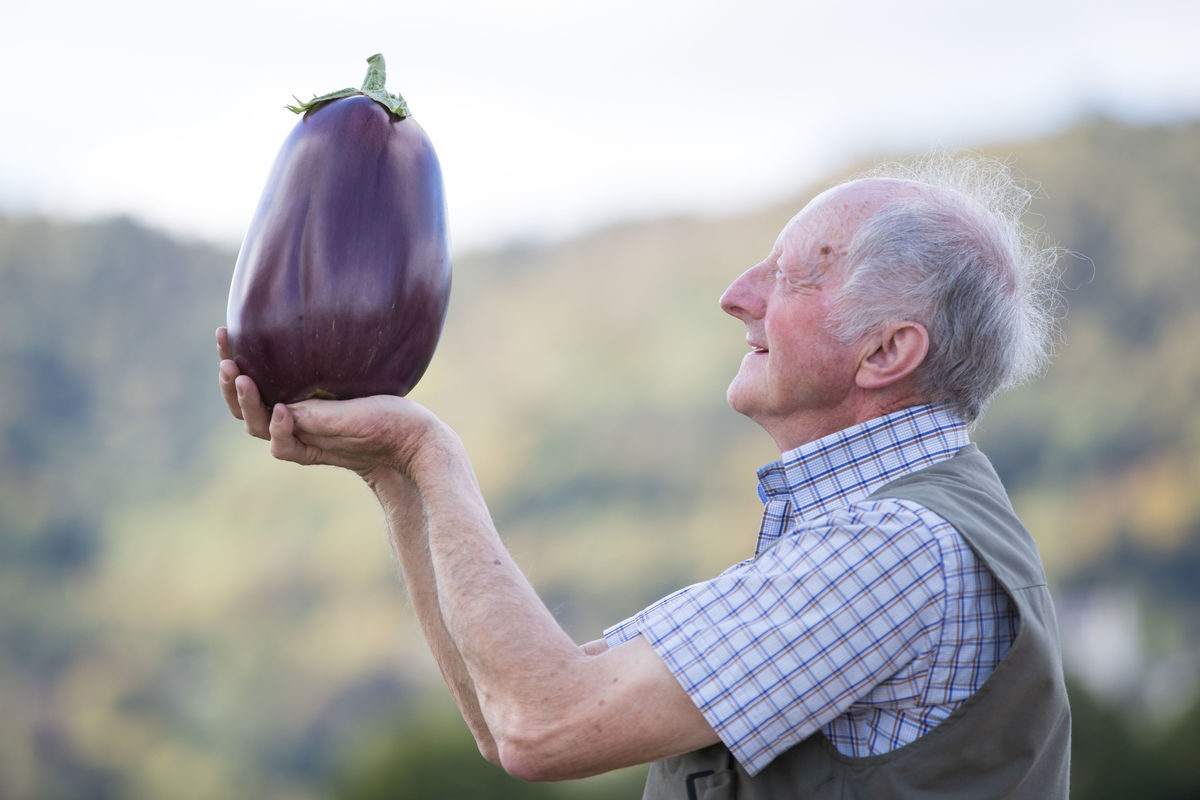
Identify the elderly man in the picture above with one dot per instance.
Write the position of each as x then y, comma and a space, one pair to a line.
892, 635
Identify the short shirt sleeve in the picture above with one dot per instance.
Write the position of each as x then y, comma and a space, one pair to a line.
775, 648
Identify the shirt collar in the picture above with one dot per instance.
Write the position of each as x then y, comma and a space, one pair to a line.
847, 466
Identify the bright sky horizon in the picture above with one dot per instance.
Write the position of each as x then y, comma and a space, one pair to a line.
553, 117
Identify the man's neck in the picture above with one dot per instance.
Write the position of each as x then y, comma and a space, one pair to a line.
800, 429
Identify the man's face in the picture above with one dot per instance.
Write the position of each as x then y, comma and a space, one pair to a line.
797, 377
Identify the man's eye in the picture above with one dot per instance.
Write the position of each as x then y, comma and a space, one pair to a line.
797, 282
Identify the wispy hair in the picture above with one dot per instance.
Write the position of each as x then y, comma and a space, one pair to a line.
958, 256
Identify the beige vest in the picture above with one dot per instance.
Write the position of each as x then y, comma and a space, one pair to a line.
1011, 739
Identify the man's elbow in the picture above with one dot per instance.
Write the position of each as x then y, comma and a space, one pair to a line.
489, 751
523, 766
532, 751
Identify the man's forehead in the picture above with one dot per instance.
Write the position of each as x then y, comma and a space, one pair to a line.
860, 198
836, 213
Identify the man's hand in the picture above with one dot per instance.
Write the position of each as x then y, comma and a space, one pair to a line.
365, 435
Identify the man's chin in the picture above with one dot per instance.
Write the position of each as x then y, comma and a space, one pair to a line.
740, 399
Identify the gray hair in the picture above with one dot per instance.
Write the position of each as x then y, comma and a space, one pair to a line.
956, 256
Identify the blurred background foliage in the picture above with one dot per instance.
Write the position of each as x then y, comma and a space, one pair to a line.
181, 616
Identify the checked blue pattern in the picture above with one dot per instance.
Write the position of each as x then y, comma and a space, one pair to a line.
868, 620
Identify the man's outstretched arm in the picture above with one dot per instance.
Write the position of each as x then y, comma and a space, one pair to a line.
405, 517
542, 706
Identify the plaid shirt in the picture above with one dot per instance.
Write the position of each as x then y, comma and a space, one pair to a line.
869, 620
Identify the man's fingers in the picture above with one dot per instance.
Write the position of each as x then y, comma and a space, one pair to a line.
227, 373
320, 425
324, 418
256, 416
285, 440
280, 428
242, 399
224, 351
244, 402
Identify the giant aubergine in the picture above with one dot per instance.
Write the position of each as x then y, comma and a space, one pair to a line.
342, 282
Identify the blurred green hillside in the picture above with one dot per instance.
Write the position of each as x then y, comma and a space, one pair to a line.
181, 616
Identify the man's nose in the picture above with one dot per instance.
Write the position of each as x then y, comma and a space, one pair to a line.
744, 297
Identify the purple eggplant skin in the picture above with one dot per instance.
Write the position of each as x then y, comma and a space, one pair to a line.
343, 280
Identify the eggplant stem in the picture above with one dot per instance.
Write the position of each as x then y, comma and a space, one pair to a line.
376, 74
373, 87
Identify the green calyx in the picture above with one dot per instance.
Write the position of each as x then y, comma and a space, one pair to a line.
373, 87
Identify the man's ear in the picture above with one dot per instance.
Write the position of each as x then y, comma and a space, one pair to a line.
893, 353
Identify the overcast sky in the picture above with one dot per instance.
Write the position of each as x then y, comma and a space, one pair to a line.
551, 116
